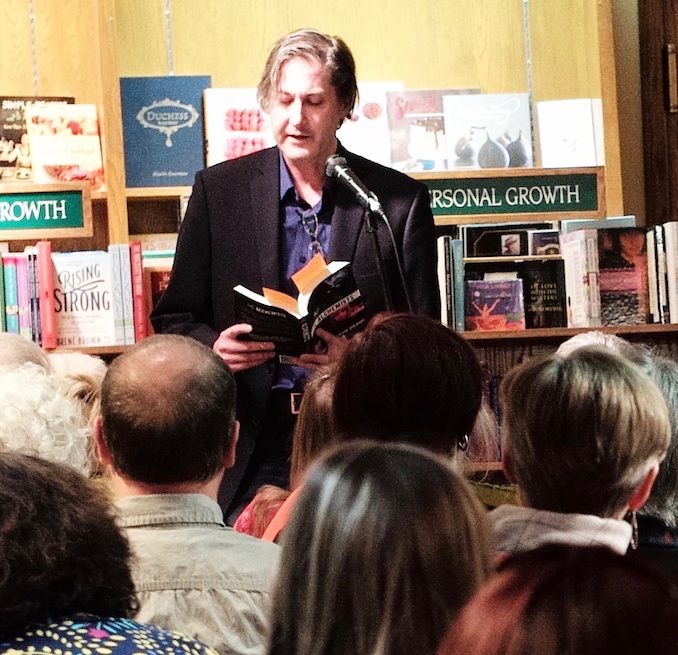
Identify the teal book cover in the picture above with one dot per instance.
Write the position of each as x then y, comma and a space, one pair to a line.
163, 129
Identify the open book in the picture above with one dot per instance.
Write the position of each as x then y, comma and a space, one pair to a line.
329, 298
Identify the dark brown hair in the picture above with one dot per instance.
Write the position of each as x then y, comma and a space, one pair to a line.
407, 377
61, 551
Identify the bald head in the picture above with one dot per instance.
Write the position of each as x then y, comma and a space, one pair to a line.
168, 410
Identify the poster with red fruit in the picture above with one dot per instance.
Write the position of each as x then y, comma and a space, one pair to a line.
65, 144
235, 125
488, 130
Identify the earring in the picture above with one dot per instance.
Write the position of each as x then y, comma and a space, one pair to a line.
634, 530
462, 442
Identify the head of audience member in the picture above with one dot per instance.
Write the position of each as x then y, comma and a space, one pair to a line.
37, 418
568, 600
639, 353
315, 428
407, 377
16, 349
167, 420
583, 433
385, 545
313, 432
62, 552
330, 51
663, 501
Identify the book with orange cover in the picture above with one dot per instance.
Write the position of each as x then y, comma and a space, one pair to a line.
46, 294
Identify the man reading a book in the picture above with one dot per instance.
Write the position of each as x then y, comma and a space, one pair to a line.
256, 220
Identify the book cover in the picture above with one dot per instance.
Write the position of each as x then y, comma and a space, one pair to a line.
417, 128
138, 292
571, 224
234, 124
579, 250
46, 294
156, 279
571, 133
83, 299
366, 133
11, 292
500, 239
543, 286
15, 151
163, 131
488, 130
65, 144
495, 305
622, 258
329, 298
543, 242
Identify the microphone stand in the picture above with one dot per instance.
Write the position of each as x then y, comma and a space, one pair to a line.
371, 225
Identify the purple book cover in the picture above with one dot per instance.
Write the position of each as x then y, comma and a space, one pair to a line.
495, 305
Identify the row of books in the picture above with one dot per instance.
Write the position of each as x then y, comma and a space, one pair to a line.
76, 299
613, 276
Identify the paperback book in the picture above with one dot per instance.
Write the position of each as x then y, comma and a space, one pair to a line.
623, 278
234, 124
83, 299
329, 298
495, 305
65, 144
417, 128
162, 122
488, 130
15, 151
579, 250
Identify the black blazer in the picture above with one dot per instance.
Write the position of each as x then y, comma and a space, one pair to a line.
231, 235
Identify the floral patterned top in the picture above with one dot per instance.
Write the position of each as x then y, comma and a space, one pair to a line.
92, 636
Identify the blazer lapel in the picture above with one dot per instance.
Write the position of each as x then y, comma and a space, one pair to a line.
265, 197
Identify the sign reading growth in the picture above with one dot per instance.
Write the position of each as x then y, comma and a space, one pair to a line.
544, 192
44, 211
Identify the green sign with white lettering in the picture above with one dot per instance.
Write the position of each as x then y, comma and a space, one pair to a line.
44, 211
569, 193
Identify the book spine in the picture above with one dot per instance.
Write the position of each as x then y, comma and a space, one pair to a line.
115, 257
46, 294
23, 295
671, 247
458, 282
654, 314
127, 298
138, 292
34, 299
11, 293
3, 319
662, 280
445, 283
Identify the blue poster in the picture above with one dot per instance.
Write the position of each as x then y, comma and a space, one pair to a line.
162, 120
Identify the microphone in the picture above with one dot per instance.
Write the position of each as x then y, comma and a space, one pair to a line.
336, 166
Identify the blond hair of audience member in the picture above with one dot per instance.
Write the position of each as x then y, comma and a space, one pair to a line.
36, 418
583, 433
386, 543
314, 431
565, 600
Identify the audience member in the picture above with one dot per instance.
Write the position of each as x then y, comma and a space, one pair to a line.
66, 585
583, 436
658, 519
407, 377
385, 545
168, 432
565, 600
38, 419
313, 431
16, 349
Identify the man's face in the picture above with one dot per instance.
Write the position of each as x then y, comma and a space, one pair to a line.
305, 113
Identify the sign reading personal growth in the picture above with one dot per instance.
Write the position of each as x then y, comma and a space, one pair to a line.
31, 211
516, 193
